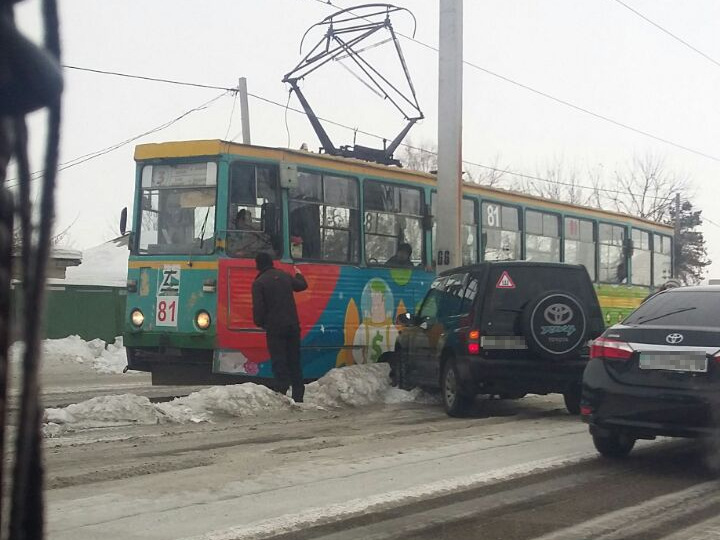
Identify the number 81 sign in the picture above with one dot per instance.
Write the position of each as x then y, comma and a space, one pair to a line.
166, 312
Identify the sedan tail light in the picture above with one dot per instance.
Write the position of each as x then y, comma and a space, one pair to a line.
611, 348
474, 342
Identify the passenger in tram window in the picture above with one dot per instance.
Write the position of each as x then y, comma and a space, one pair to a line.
246, 240
243, 221
402, 257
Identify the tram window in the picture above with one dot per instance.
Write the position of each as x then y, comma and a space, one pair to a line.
393, 216
662, 259
542, 237
501, 232
324, 218
641, 258
253, 211
580, 243
468, 229
613, 268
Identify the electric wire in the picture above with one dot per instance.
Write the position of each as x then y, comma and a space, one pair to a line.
13, 182
556, 99
286, 107
668, 32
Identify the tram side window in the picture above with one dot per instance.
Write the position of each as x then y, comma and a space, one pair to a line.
324, 218
641, 258
501, 232
468, 229
662, 259
393, 216
613, 268
253, 211
542, 237
580, 243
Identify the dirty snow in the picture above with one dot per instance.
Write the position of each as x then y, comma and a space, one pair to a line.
96, 354
353, 386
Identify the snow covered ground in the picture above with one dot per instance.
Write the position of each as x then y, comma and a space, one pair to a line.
354, 386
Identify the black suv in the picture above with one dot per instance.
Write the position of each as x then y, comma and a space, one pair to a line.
500, 328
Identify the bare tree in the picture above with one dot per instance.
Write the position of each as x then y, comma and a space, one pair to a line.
423, 159
559, 182
492, 175
647, 188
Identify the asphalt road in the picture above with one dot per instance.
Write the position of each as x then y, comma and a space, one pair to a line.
514, 470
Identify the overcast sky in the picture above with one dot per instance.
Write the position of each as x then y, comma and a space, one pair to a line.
595, 54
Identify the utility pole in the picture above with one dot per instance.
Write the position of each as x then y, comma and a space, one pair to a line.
244, 109
448, 251
676, 238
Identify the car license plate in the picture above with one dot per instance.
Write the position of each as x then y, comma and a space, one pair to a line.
695, 361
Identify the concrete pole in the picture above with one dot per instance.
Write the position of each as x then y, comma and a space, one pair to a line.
244, 110
448, 251
676, 237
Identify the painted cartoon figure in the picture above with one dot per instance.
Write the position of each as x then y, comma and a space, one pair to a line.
377, 333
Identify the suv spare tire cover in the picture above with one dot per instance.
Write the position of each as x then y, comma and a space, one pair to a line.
555, 325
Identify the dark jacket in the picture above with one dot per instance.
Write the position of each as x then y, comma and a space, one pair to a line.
273, 301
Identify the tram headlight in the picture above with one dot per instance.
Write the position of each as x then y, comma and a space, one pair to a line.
137, 318
202, 320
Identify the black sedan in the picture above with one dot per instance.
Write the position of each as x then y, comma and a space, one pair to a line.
657, 373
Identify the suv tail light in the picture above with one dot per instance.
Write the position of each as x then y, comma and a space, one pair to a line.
611, 348
474, 342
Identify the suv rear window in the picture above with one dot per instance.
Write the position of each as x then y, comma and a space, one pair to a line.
678, 309
504, 306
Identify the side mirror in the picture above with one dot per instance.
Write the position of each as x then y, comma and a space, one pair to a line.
404, 319
123, 220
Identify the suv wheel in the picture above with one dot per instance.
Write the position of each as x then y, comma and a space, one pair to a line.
572, 400
456, 403
613, 445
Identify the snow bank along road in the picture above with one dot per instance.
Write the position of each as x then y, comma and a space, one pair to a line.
360, 460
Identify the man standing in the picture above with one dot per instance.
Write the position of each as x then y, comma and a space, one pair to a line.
274, 311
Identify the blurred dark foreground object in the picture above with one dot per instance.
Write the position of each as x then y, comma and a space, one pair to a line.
30, 79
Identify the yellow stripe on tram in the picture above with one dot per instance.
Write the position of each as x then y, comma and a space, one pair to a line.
184, 265
619, 302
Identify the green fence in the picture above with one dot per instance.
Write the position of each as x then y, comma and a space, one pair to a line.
88, 311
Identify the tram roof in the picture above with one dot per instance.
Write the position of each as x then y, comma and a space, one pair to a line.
215, 147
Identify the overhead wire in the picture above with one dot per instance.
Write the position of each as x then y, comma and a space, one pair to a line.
668, 32
286, 107
13, 182
555, 99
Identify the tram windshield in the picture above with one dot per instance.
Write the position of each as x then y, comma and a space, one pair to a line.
177, 205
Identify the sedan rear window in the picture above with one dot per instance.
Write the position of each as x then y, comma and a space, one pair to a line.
678, 309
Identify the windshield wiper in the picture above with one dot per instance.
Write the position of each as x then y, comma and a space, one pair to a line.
641, 320
202, 230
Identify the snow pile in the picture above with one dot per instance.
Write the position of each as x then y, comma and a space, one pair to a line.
112, 359
101, 412
96, 354
353, 386
235, 400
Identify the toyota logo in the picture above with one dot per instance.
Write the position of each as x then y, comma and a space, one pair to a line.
674, 339
558, 314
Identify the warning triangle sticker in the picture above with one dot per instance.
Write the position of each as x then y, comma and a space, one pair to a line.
505, 281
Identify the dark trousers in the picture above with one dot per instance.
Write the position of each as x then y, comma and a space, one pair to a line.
284, 348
